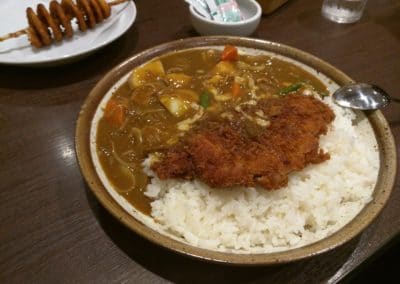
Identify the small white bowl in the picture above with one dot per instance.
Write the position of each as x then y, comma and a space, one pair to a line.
251, 12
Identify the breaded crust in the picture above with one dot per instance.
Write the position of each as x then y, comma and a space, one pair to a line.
90, 18
71, 8
223, 153
105, 8
45, 17
58, 13
36, 24
96, 11
33, 38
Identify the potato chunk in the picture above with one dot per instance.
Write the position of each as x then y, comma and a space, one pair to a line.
146, 73
179, 101
178, 79
224, 68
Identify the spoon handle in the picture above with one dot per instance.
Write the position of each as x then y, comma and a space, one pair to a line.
397, 100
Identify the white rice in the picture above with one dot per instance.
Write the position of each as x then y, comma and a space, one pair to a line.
318, 201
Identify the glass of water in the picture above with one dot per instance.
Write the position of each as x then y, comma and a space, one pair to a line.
343, 11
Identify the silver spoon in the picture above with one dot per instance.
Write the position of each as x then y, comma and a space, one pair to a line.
362, 96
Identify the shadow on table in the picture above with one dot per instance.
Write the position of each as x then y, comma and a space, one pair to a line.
182, 269
96, 64
381, 267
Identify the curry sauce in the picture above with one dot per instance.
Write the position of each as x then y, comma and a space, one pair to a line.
163, 101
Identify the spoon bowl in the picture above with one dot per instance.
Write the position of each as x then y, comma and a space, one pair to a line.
362, 96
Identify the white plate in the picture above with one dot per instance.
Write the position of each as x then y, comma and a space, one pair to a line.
18, 51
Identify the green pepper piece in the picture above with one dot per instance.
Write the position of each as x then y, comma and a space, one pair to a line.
324, 94
290, 89
205, 99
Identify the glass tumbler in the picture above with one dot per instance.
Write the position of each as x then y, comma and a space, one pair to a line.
343, 11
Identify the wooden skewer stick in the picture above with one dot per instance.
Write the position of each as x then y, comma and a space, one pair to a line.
25, 31
14, 34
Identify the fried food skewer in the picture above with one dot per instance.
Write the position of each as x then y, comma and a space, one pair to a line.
58, 17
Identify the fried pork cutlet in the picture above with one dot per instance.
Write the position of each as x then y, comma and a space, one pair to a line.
225, 153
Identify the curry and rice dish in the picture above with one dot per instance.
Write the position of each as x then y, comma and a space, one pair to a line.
228, 122
229, 151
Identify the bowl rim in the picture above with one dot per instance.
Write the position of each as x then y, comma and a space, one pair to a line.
382, 191
252, 19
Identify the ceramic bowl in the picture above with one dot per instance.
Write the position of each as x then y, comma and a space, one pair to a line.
251, 11
94, 179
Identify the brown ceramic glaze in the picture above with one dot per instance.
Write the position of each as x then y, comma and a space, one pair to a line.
383, 134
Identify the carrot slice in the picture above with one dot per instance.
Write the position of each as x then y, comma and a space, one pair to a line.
236, 90
230, 53
110, 107
115, 113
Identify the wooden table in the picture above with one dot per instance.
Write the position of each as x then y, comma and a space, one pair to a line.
52, 229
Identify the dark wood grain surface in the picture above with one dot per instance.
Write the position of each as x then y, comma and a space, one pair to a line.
53, 230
